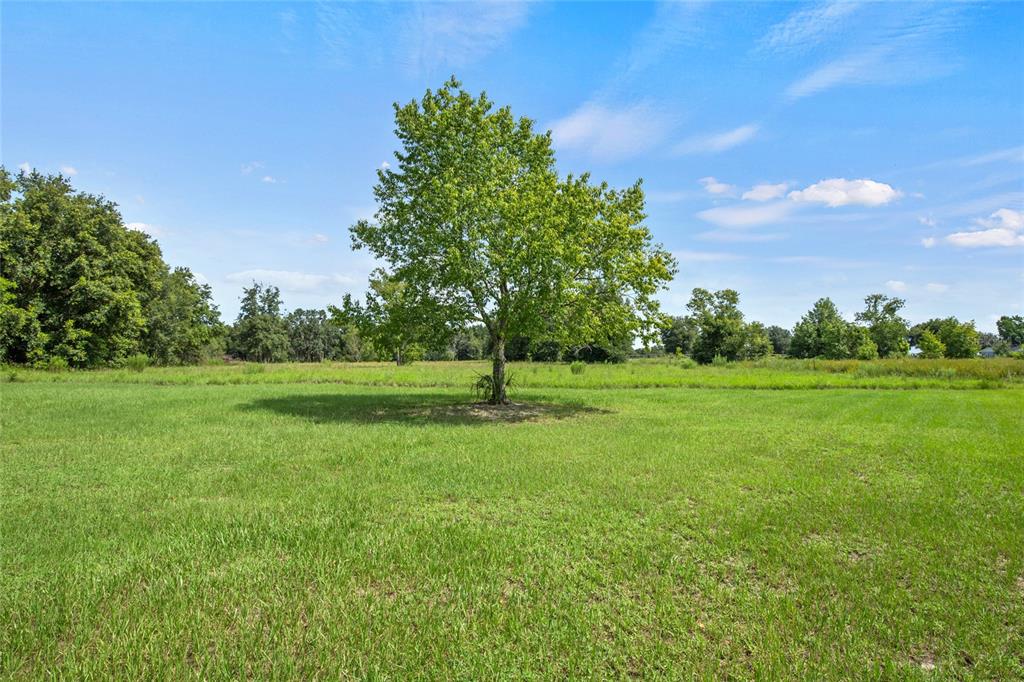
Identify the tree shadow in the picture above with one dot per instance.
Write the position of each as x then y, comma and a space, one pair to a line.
415, 409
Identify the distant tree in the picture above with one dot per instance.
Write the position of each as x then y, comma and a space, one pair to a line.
960, 338
314, 337
885, 327
260, 333
780, 338
988, 339
606, 350
399, 324
756, 342
474, 221
821, 333
720, 330
678, 336
469, 343
1011, 329
930, 345
183, 323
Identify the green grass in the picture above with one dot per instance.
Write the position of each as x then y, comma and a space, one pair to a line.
659, 373
169, 524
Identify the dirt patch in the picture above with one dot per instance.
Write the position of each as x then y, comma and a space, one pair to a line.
924, 660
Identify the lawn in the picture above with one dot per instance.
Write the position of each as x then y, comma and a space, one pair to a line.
317, 521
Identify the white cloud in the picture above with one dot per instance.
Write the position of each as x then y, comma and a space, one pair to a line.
69, 170
765, 192
927, 221
1001, 228
746, 216
704, 256
26, 167
842, 192
1004, 218
718, 142
292, 281
248, 168
713, 186
928, 242
896, 285
936, 287
269, 179
609, 134
319, 238
145, 228
732, 236
994, 237
384, 165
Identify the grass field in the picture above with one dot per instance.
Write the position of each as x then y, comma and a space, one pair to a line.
638, 521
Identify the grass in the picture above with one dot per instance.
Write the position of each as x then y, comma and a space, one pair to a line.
657, 373
171, 524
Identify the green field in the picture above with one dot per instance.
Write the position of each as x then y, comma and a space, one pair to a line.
641, 520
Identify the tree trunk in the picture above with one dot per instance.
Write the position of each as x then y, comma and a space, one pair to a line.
498, 396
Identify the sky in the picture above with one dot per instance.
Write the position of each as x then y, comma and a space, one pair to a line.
788, 151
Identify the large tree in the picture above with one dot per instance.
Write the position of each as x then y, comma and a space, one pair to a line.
720, 330
479, 228
260, 332
77, 285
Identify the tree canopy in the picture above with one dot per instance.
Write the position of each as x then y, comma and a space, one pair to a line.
78, 286
475, 223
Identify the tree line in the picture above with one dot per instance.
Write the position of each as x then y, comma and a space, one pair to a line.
715, 328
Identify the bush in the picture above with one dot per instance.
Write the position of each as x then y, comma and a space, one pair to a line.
577, 367
684, 362
254, 368
719, 361
137, 362
56, 364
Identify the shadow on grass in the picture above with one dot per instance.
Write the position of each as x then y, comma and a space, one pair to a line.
415, 409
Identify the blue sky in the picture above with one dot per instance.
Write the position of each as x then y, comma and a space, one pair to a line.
789, 151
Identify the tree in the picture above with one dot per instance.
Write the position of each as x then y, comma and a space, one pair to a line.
183, 324
1011, 329
314, 337
887, 329
756, 342
260, 333
720, 329
823, 333
960, 338
78, 285
678, 336
395, 321
930, 345
781, 338
475, 223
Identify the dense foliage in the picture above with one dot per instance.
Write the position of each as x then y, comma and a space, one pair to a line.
78, 288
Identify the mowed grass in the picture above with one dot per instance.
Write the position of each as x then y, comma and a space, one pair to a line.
308, 530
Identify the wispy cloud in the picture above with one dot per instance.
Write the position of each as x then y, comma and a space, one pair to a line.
609, 134
718, 142
716, 187
292, 281
809, 26
269, 179
69, 170
704, 256
747, 216
896, 285
429, 37
250, 167
765, 192
891, 44
146, 228
25, 167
